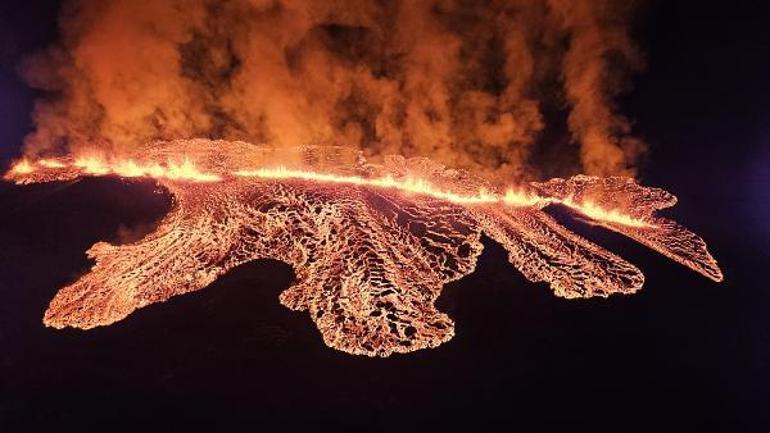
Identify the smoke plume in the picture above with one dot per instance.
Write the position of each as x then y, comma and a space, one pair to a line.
465, 82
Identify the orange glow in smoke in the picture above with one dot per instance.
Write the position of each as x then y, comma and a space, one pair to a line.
512, 197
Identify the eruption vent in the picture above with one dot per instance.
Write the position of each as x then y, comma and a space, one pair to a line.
372, 245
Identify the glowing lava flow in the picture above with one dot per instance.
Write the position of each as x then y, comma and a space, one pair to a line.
371, 245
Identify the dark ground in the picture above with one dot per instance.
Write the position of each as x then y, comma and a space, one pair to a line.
685, 354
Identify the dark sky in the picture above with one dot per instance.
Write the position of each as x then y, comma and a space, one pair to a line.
685, 354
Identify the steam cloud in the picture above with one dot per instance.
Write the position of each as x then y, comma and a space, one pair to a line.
468, 83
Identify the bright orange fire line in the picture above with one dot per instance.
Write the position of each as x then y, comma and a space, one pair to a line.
187, 171
417, 186
420, 186
20, 167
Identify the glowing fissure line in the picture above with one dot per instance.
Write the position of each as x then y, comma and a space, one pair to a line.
418, 186
20, 168
597, 213
187, 171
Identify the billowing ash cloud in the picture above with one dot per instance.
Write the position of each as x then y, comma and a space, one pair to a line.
469, 83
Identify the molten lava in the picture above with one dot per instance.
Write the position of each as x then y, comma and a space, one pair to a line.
371, 245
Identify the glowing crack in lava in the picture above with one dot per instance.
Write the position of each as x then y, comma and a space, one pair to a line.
371, 245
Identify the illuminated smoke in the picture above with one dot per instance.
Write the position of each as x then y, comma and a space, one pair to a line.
468, 83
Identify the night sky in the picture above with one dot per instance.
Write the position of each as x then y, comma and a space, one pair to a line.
684, 354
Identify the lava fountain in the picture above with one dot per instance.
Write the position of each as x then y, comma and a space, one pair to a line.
372, 245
